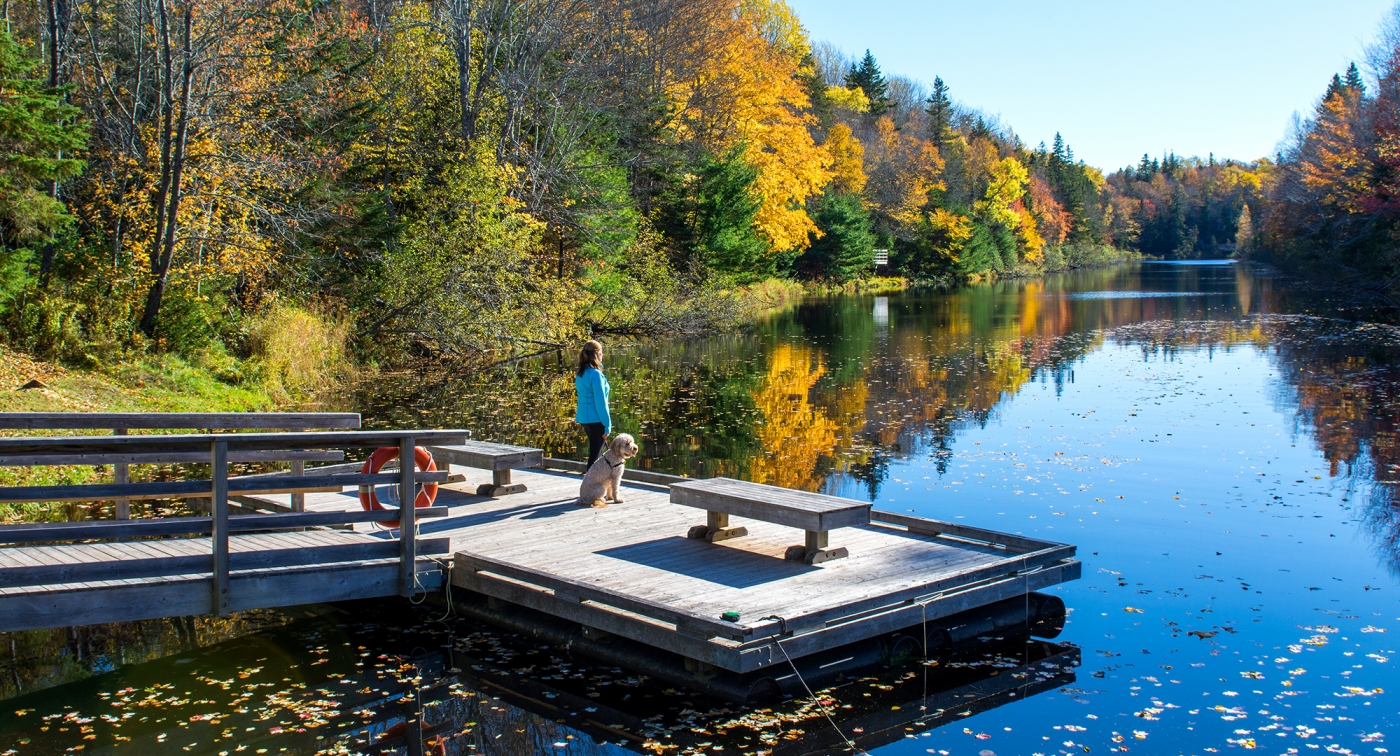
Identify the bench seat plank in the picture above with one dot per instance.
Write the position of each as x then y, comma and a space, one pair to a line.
500, 459
488, 456
781, 506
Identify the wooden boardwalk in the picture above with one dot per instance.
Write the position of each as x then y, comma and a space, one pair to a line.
261, 579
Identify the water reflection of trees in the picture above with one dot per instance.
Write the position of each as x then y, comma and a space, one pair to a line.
1339, 381
825, 389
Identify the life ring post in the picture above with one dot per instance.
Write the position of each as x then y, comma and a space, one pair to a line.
408, 563
369, 500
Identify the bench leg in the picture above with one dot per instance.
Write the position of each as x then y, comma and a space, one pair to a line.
716, 528
816, 550
500, 485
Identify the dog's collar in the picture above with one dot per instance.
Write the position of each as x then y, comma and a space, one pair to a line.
615, 466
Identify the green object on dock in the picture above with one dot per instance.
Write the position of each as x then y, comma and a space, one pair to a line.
730, 616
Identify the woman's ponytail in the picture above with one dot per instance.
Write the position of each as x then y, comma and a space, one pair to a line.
591, 356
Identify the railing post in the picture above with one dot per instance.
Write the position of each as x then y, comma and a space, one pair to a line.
408, 563
298, 470
121, 474
218, 511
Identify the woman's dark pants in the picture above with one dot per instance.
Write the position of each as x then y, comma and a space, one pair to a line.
595, 441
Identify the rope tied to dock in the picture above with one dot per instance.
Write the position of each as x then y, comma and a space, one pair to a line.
1026, 594
446, 565
923, 630
782, 623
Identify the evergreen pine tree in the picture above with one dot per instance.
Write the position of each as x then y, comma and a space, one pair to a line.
980, 253
866, 75
723, 209
1354, 82
1334, 88
940, 113
846, 248
37, 129
981, 130
1059, 150
1145, 168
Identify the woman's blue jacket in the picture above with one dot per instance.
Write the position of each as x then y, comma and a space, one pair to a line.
593, 391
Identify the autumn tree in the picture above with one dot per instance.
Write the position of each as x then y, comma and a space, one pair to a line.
747, 97
847, 161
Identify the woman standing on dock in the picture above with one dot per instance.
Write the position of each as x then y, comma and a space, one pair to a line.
592, 387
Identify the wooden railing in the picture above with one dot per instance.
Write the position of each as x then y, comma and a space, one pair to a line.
217, 449
122, 422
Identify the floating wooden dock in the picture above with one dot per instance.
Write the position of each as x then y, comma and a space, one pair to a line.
629, 570
626, 571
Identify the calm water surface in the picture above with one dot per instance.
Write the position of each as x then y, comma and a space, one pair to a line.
1222, 451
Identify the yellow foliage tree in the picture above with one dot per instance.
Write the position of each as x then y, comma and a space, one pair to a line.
777, 23
747, 93
1336, 170
948, 232
847, 160
852, 99
1001, 205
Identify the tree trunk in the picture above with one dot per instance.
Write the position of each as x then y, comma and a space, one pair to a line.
462, 41
165, 247
60, 14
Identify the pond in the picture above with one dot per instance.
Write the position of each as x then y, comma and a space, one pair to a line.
1223, 451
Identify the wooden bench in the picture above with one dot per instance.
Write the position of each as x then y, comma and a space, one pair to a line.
815, 513
500, 459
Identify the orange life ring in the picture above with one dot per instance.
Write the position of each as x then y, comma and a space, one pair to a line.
422, 460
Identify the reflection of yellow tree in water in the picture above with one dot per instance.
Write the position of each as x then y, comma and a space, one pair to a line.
795, 434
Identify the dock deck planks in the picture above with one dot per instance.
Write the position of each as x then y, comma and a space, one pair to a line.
638, 550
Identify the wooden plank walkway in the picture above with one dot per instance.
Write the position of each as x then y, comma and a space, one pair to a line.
256, 586
629, 570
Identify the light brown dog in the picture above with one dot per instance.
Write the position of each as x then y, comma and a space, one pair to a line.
603, 479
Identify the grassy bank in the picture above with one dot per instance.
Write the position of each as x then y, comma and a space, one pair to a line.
872, 285
165, 384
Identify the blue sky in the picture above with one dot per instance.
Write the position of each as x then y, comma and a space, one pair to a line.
1117, 78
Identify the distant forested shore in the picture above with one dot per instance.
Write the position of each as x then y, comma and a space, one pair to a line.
280, 190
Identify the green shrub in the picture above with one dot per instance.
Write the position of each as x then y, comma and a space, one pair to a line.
296, 352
